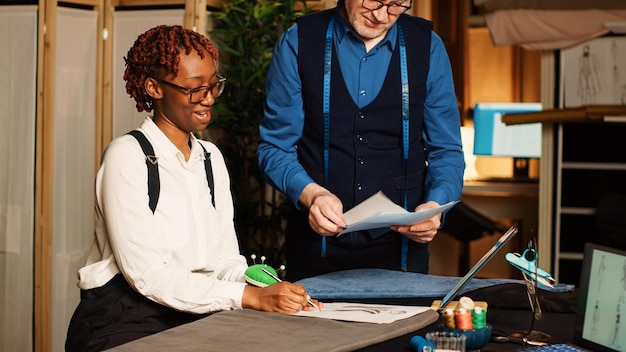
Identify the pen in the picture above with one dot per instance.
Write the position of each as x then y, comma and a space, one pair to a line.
279, 280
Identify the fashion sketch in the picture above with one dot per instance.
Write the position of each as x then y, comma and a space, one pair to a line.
588, 80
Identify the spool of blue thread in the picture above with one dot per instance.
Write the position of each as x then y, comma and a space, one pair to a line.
418, 343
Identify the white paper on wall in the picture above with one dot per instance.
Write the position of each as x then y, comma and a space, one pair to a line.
594, 73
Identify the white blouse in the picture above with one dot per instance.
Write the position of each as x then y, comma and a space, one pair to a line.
185, 255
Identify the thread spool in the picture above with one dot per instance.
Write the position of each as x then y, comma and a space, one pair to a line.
447, 317
466, 303
463, 319
420, 344
479, 318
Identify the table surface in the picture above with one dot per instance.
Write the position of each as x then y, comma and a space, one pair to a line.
560, 326
242, 330
280, 332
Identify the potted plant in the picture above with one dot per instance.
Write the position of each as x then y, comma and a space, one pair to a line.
245, 33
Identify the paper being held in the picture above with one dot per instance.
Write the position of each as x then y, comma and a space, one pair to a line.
379, 211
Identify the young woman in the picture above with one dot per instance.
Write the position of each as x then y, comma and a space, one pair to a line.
153, 267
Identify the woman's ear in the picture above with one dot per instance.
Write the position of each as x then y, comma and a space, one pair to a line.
153, 88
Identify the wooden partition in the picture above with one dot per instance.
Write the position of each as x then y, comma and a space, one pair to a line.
68, 108
74, 123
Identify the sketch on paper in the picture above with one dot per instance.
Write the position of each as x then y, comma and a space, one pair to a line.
365, 313
593, 73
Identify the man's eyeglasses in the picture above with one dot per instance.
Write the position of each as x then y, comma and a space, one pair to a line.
393, 8
198, 94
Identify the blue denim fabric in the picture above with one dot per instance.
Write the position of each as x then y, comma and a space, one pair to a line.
382, 283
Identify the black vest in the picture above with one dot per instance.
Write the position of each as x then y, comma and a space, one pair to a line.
365, 144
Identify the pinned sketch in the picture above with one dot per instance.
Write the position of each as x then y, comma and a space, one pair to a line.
594, 72
365, 313
589, 85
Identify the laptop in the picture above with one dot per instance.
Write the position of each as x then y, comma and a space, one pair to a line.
512, 231
600, 325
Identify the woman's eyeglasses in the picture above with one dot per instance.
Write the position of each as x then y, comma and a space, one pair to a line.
198, 94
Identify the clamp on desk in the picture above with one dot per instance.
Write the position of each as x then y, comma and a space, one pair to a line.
527, 264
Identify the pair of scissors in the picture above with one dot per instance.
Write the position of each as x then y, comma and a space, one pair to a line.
499, 336
527, 264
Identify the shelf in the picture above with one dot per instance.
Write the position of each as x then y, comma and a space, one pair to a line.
501, 189
588, 163
588, 113
571, 256
578, 211
593, 166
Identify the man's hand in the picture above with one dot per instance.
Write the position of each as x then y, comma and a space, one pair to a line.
325, 210
424, 231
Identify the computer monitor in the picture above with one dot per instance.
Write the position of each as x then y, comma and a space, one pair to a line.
492, 137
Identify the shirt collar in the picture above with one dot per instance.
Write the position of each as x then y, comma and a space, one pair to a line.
342, 29
166, 149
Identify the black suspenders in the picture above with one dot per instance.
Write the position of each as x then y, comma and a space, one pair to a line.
154, 183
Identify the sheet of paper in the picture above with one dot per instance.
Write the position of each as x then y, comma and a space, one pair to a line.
379, 211
364, 313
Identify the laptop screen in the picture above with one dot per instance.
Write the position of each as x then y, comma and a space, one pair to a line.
512, 231
600, 325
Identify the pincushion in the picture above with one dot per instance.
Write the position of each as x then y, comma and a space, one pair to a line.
255, 275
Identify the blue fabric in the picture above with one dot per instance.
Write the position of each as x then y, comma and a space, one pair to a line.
281, 129
382, 283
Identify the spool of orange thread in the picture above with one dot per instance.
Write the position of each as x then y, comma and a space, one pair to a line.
463, 319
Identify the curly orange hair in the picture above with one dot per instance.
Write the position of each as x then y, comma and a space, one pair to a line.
155, 53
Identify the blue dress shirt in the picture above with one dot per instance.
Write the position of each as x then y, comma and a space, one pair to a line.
364, 73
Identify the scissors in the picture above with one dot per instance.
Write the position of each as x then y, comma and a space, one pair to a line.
499, 336
527, 264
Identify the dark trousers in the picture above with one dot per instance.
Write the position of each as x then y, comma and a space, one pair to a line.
114, 314
349, 251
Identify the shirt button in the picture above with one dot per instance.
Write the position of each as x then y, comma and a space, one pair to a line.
362, 93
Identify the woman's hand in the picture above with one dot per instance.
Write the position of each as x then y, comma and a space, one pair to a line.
283, 297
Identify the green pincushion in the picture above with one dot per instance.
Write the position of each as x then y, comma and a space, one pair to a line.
255, 275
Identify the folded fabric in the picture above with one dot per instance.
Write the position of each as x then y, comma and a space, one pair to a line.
540, 29
382, 283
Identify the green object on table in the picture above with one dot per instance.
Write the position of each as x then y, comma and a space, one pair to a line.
255, 275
